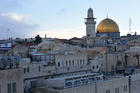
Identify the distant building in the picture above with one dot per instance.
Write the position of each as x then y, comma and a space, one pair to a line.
83, 85
34, 73
64, 62
107, 28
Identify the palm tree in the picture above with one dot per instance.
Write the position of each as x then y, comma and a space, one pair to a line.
125, 57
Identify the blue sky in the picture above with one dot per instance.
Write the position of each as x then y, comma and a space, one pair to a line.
63, 18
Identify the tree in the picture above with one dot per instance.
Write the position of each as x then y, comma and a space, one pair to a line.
38, 39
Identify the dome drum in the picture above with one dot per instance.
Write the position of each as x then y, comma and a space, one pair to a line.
110, 34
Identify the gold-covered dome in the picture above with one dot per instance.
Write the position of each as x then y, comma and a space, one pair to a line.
107, 25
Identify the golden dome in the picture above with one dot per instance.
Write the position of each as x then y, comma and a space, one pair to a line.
107, 25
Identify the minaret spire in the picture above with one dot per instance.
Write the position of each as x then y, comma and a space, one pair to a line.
107, 15
90, 13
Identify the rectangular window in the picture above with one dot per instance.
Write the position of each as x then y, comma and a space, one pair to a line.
107, 91
125, 88
24, 70
116, 90
66, 63
80, 62
73, 62
69, 63
39, 68
14, 87
28, 69
83, 61
33, 84
58, 64
9, 88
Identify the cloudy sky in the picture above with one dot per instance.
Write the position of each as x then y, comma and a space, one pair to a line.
63, 18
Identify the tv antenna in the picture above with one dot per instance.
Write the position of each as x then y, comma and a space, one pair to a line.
130, 24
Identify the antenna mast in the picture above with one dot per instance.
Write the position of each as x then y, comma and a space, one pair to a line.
130, 25
107, 15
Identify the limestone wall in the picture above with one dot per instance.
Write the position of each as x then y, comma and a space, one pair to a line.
135, 83
9, 77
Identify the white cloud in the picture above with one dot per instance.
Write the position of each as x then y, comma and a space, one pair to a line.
63, 33
17, 17
15, 25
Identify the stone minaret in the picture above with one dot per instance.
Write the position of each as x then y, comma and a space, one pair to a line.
90, 24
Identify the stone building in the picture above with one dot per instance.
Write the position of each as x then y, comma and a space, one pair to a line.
112, 85
11, 81
34, 73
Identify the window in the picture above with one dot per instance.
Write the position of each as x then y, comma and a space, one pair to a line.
33, 84
9, 88
116, 90
83, 61
97, 66
107, 91
58, 64
24, 70
39, 68
125, 88
67, 68
14, 87
69, 63
28, 69
49, 71
73, 62
68, 84
80, 62
66, 63
93, 67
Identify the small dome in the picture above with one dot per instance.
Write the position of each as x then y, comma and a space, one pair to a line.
90, 10
46, 45
107, 25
